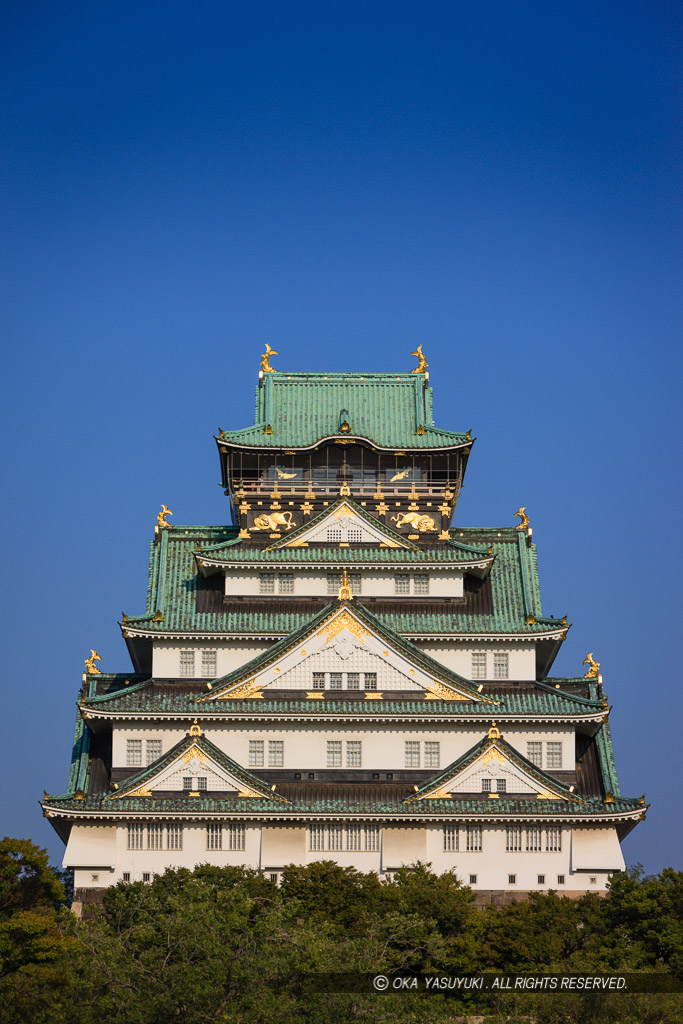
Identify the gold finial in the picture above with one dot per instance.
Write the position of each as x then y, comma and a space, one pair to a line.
90, 666
161, 518
594, 666
494, 732
344, 491
345, 588
194, 729
524, 519
609, 797
422, 363
158, 617
265, 360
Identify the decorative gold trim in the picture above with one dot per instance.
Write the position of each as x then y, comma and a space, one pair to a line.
345, 588
423, 524
343, 620
344, 490
440, 691
524, 519
314, 695
273, 521
250, 793
422, 363
140, 791
374, 695
494, 732
594, 666
90, 666
195, 729
161, 518
265, 360
250, 690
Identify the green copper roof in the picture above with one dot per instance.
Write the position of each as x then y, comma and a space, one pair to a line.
393, 411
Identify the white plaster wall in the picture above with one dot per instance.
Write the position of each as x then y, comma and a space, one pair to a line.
194, 852
230, 655
374, 582
458, 657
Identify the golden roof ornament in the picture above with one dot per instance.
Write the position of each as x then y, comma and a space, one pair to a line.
265, 360
523, 517
345, 587
594, 666
194, 729
494, 732
90, 666
422, 363
161, 518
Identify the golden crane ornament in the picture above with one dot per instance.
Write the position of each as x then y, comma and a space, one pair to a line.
523, 517
422, 363
593, 666
265, 360
90, 666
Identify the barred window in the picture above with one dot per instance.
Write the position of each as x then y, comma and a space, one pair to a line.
133, 753
533, 839
473, 879
560, 879
276, 753
553, 755
146, 876
334, 754
187, 782
353, 680
474, 840
186, 663
126, 876
534, 752
479, 665
553, 838
256, 753
335, 680
152, 750
432, 754
512, 879
209, 663
513, 838
338, 837
318, 680
214, 836
501, 785
334, 534
355, 535
372, 837
285, 582
235, 837
501, 665
402, 584
353, 754
450, 838
335, 836
420, 583
541, 879
370, 680
155, 837
412, 754
334, 581
202, 782
316, 837
266, 583
486, 785
353, 837
175, 837
135, 836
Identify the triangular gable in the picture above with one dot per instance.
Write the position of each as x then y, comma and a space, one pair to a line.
195, 757
344, 523
348, 641
494, 759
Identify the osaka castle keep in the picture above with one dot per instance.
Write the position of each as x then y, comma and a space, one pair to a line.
344, 672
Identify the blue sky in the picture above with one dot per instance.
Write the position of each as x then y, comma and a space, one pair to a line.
501, 183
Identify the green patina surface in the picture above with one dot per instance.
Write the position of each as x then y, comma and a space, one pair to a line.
303, 408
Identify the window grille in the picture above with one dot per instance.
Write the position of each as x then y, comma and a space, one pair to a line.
335, 680
355, 535
501, 785
534, 752
533, 839
479, 665
560, 879
175, 837
402, 584
187, 663
513, 838
135, 836
256, 753
236, 837
334, 583
473, 879
501, 665
209, 663
133, 753
155, 837
334, 754
285, 582
512, 879
450, 838
486, 785
553, 755
316, 837
335, 837
541, 879
334, 534
187, 782
318, 680
474, 841
553, 838
266, 583
421, 584
152, 750
276, 753
125, 876
372, 837
214, 836
412, 754
353, 754
432, 754
353, 680
202, 782
593, 880
353, 837
146, 876
370, 680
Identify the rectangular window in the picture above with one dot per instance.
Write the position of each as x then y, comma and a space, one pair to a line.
553, 755
534, 752
553, 838
209, 663
334, 581
126, 876
187, 782
133, 753
533, 839
355, 535
266, 583
214, 836
541, 879
318, 680
473, 879
372, 837
501, 785
501, 666
513, 838
155, 837
353, 837
256, 748
593, 880
421, 584
370, 680
353, 754
334, 754
235, 837
450, 838
316, 837
152, 750
402, 584
175, 837
560, 879
432, 754
335, 835
353, 680
479, 665
202, 782
285, 582
146, 876
474, 841
135, 836
334, 534
187, 663
412, 754
487, 785
276, 753
335, 680
512, 879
